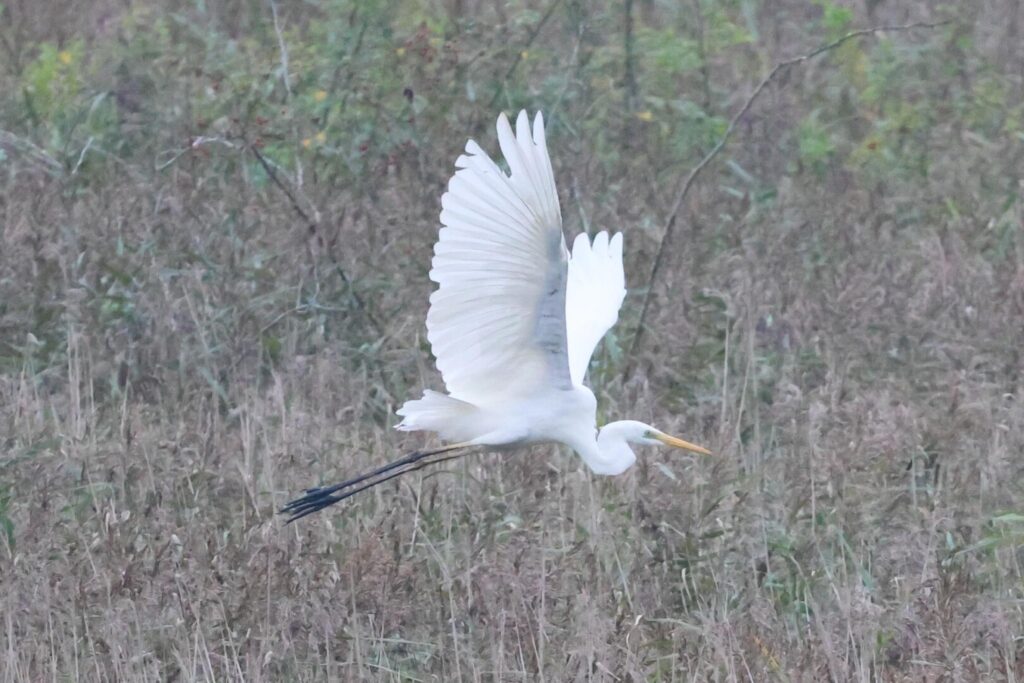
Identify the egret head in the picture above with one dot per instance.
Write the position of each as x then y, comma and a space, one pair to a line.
640, 433
613, 455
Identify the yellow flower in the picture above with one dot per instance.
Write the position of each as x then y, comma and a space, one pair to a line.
525, 54
320, 138
65, 57
645, 115
320, 95
306, 143
400, 52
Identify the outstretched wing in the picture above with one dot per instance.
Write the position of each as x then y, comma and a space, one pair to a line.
497, 322
596, 288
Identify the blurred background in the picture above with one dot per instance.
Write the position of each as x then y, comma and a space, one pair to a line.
216, 221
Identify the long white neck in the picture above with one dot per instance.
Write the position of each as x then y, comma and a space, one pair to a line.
609, 453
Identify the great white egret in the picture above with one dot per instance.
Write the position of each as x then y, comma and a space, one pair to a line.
513, 322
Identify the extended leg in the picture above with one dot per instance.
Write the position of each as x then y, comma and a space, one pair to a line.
318, 498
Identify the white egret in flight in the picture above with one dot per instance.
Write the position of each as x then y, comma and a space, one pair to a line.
513, 322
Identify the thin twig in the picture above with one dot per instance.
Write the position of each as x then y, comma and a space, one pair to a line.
628, 46
268, 167
696, 170
283, 47
81, 155
195, 144
32, 151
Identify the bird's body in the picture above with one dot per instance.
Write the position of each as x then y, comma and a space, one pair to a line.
567, 416
514, 321
550, 415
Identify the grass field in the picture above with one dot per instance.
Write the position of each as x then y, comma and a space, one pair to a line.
216, 222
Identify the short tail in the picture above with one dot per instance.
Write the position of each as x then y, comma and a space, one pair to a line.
435, 412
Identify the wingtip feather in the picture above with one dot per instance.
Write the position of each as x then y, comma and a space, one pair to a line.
499, 223
523, 128
580, 244
538, 128
504, 129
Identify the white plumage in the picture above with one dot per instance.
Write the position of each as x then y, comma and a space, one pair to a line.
596, 288
500, 261
514, 320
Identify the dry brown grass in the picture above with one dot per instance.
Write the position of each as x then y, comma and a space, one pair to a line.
180, 354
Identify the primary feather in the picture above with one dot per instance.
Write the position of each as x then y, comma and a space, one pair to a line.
596, 288
496, 322
514, 314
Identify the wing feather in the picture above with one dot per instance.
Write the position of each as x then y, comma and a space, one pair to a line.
496, 322
596, 288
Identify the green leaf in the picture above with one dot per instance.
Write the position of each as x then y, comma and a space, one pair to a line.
835, 18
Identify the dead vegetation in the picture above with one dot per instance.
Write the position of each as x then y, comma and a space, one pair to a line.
190, 335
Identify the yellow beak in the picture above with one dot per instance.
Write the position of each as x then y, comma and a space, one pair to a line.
679, 443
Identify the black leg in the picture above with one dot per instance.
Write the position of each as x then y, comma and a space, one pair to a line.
318, 498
